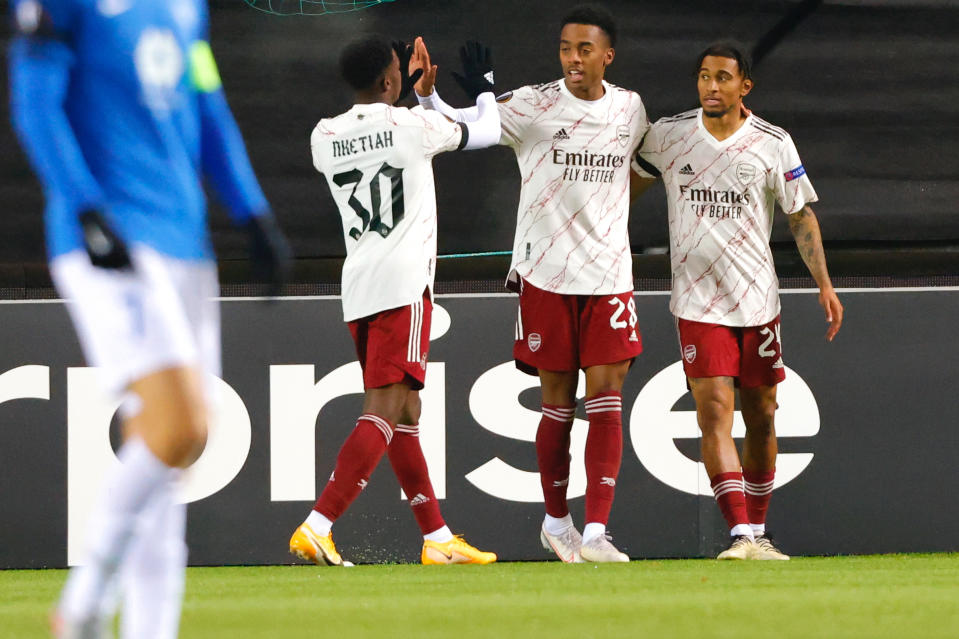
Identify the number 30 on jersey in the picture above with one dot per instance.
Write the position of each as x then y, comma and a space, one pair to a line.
372, 220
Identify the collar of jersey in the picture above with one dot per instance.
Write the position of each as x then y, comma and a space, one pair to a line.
589, 103
373, 106
722, 144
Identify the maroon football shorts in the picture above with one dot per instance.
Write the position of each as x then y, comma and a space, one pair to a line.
751, 354
392, 345
556, 332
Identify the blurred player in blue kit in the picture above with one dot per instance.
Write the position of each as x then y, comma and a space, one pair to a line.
119, 106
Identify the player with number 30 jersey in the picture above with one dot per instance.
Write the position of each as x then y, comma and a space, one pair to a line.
377, 158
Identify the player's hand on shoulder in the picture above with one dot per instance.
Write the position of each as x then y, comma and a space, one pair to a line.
477, 78
410, 75
421, 60
104, 246
270, 253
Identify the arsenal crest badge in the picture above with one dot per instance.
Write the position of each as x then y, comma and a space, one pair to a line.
534, 341
746, 173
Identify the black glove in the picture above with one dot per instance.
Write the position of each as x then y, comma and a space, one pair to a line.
404, 51
270, 253
105, 248
477, 75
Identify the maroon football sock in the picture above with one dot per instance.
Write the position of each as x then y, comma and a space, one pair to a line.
728, 490
552, 456
409, 465
604, 452
759, 490
360, 454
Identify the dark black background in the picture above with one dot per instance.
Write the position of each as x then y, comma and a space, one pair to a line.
868, 89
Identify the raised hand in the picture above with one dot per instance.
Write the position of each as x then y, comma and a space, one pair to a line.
421, 60
477, 75
404, 51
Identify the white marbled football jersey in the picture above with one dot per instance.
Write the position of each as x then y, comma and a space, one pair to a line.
721, 198
377, 160
574, 160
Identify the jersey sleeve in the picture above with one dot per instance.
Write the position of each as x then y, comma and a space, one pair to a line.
641, 127
648, 160
514, 116
223, 154
316, 147
440, 134
40, 63
790, 183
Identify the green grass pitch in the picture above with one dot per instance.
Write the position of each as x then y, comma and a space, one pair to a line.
900, 596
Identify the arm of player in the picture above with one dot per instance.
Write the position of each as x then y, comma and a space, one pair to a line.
805, 230
40, 64
39, 77
638, 184
223, 155
435, 103
485, 130
225, 162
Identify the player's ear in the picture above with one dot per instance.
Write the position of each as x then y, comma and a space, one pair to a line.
747, 87
608, 58
383, 84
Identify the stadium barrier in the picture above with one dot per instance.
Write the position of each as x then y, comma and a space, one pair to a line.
867, 428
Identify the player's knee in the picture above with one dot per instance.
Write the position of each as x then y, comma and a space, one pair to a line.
412, 410
714, 406
760, 420
189, 432
194, 440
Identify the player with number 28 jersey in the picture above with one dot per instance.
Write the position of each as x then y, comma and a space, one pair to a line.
572, 265
573, 155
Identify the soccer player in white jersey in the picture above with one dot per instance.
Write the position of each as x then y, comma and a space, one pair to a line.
572, 264
725, 169
377, 160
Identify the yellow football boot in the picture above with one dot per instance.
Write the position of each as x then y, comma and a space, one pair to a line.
454, 551
309, 546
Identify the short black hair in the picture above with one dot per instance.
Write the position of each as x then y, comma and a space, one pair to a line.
364, 60
728, 49
593, 14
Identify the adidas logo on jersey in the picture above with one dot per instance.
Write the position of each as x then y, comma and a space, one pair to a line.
419, 499
561, 135
687, 170
778, 363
